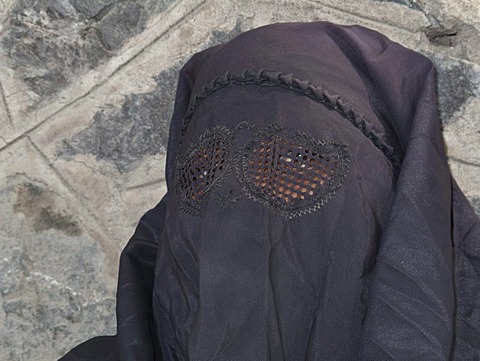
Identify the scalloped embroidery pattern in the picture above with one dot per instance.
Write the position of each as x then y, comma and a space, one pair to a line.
292, 174
305, 87
203, 167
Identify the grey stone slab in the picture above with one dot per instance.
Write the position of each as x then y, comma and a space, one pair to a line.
5, 8
126, 135
93, 8
46, 314
50, 42
46, 191
468, 177
57, 270
122, 22
457, 81
475, 202
383, 11
417, 6
6, 124
8, 135
55, 285
449, 27
119, 133
52, 54
466, 10
462, 134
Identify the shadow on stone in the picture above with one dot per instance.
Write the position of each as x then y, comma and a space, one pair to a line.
139, 129
38, 205
456, 82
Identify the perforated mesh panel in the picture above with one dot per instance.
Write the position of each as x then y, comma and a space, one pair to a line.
202, 167
289, 172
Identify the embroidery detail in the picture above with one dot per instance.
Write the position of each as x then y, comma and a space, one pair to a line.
244, 125
225, 200
305, 87
203, 167
292, 174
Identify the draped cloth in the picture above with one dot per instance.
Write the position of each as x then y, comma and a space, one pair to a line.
310, 212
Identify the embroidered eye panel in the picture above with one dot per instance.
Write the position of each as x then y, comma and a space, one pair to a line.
290, 173
202, 168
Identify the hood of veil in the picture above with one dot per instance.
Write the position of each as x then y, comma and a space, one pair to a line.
423, 302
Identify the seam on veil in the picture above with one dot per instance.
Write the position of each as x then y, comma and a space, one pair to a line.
305, 87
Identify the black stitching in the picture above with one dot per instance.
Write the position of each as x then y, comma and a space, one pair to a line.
225, 200
317, 93
316, 169
203, 167
291, 190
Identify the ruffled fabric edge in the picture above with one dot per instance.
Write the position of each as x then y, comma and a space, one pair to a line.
289, 81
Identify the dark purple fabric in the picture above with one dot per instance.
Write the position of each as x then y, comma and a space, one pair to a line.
98, 348
380, 261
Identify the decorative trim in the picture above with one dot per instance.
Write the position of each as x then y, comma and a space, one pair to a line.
183, 161
305, 87
323, 148
225, 200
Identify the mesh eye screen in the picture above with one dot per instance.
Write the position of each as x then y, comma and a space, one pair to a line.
202, 167
289, 173
199, 172
292, 174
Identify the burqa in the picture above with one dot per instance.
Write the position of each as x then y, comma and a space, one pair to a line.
310, 212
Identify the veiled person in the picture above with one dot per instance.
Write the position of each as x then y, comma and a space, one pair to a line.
310, 212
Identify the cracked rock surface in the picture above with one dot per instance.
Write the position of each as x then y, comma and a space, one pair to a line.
53, 276
63, 39
86, 95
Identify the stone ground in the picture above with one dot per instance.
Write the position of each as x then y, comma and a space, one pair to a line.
86, 96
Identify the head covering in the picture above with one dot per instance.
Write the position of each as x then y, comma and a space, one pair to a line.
310, 212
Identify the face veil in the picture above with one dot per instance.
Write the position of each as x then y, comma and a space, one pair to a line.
310, 211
